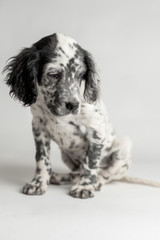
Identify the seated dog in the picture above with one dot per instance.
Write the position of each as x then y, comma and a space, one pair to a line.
57, 78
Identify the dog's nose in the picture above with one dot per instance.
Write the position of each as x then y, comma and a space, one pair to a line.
72, 105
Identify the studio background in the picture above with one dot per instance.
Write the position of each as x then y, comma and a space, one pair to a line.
124, 39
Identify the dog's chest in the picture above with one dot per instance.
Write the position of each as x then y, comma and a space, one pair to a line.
69, 134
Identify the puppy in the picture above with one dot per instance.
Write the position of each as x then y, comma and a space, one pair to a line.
58, 79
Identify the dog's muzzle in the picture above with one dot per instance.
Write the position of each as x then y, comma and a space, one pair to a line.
65, 108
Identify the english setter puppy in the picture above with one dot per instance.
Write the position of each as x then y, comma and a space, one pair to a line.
58, 79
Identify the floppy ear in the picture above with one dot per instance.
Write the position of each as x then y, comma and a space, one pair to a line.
92, 83
22, 75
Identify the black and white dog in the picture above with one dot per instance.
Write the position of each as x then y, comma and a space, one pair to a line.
58, 79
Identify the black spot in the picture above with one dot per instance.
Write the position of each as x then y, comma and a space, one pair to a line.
40, 152
38, 170
61, 50
46, 162
47, 144
72, 123
36, 132
93, 178
49, 170
73, 69
109, 161
94, 135
61, 141
125, 166
38, 180
76, 54
108, 149
71, 61
75, 45
72, 144
106, 178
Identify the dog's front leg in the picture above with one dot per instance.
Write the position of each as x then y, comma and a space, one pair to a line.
42, 175
85, 187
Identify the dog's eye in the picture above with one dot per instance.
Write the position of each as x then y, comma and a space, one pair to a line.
54, 75
81, 74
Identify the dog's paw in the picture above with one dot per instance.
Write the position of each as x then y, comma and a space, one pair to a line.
79, 191
35, 188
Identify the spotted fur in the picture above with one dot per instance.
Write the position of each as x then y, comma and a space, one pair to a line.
58, 80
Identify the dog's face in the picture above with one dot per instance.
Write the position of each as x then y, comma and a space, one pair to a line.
54, 68
61, 79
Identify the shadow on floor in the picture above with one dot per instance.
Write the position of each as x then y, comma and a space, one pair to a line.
18, 175
15, 174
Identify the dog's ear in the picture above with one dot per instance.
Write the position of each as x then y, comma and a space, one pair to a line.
22, 75
92, 83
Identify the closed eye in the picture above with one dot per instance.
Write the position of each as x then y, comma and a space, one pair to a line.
54, 75
81, 74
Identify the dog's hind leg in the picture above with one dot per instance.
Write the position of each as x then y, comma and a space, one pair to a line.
114, 166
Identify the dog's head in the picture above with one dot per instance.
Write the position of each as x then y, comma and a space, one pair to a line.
54, 68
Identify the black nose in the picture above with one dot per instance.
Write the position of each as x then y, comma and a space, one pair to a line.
72, 105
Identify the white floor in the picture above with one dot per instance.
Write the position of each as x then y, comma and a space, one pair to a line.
119, 211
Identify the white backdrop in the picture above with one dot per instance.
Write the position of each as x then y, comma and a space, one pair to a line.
124, 38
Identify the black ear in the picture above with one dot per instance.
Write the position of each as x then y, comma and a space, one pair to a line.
92, 83
22, 75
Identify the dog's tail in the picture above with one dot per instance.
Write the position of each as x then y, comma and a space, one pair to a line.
136, 180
